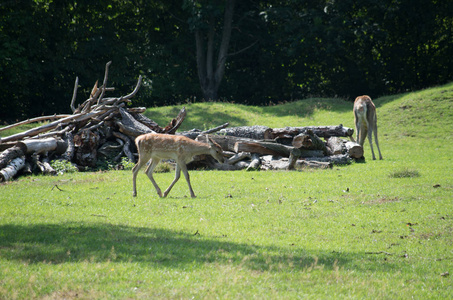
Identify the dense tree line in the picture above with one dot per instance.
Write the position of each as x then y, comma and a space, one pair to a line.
248, 51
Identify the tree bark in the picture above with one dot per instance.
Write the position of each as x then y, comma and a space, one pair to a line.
309, 140
268, 148
335, 146
9, 154
255, 163
320, 131
256, 132
46, 145
226, 142
12, 168
354, 149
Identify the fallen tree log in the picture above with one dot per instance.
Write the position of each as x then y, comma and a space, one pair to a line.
354, 149
341, 159
44, 128
86, 144
238, 157
11, 153
309, 140
335, 146
194, 133
255, 163
320, 131
46, 145
225, 141
70, 149
12, 168
34, 120
269, 163
126, 147
256, 132
268, 148
302, 164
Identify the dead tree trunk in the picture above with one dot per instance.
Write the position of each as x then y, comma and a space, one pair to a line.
354, 149
320, 131
11, 153
12, 168
309, 140
256, 132
335, 146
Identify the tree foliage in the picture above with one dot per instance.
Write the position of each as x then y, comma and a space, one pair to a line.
188, 50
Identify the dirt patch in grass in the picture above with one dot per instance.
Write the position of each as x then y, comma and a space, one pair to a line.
383, 200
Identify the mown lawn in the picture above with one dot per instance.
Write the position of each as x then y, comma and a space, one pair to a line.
377, 229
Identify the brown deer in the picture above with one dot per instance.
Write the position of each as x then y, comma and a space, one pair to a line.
154, 147
366, 122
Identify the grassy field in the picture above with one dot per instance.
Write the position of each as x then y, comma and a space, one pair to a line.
371, 230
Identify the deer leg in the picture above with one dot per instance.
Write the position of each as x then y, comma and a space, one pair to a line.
186, 174
141, 162
149, 171
371, 142
361, 134
177, 176
377, 142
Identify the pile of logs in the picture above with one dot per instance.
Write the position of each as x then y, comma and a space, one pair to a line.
264, 148
100, 126
105, 127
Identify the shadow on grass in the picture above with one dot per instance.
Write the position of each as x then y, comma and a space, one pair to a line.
76, 242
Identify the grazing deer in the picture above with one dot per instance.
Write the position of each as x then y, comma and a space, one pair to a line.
366, 121
153, 147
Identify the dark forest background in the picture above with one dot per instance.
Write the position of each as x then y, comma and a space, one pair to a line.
244, 51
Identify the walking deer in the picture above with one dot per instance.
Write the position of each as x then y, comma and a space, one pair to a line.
366, 122
154, 147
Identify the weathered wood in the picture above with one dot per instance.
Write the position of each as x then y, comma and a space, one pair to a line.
44, 128
226, 142
261, 148
46, 168
194, 133
34, 120
309, 140
302, 164
12, 168
335, 146
270, 162
11, 153
238, 157
320, 131
40, 146
176, 122
256, 132
341, 159
130, 126
86, 144
255, 163
69, 153
293, 158
268, 148
126, 147
354, 149
147, 122
43, 166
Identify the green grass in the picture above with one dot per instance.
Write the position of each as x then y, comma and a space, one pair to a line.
372, 230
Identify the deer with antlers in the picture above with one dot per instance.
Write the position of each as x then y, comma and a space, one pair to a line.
366, 122
154, 147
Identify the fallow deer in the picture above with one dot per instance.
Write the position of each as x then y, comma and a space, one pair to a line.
366, 122
154, 147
